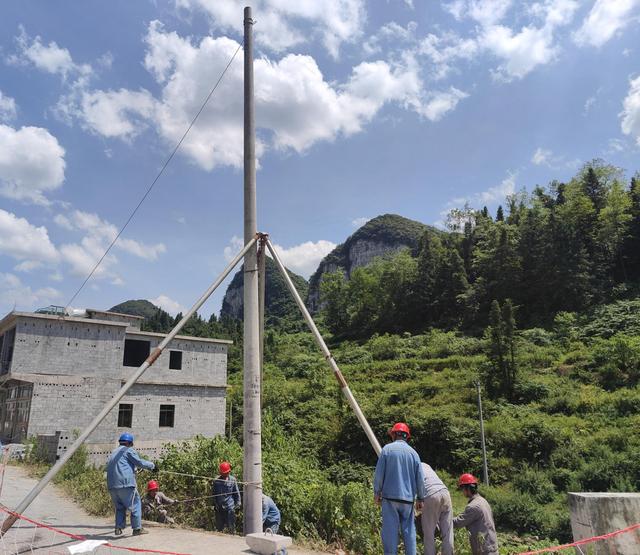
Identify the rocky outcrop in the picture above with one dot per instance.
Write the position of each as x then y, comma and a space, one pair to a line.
381, 236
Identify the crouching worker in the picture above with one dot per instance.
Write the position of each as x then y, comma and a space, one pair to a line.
154, 503
121, 482
226, 499
477, 518
270, 515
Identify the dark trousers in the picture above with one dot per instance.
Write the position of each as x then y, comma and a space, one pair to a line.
225, 518
273, 526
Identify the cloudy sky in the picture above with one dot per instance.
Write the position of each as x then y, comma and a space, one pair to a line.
405, 106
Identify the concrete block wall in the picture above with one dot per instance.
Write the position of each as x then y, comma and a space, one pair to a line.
69, 347
203, 362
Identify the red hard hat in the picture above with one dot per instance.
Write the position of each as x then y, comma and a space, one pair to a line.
225, 467
152, 485
467, 480
400, 427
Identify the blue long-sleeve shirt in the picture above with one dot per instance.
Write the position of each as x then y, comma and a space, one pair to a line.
398, 473
226, 492
121, 467
270, 511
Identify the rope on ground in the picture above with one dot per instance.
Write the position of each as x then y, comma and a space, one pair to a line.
82, 538
582, 542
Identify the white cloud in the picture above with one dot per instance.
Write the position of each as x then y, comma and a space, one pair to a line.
8, 110
282, 24
168, 304
359, 222
31, 163
605, 19
98, 234
49, 58
521, 50
233, 248
23, 241
304, 259
13, 293
441, 103
615, 146
28, 266
390, 33
541, 157
119, 113
295, 105
630, 114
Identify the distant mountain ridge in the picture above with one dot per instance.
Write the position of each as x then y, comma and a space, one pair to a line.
380, 236
139, 307
279, 304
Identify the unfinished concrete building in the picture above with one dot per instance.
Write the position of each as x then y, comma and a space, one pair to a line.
56, 373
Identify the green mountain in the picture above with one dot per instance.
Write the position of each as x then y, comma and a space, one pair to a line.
381, 236
279, 304
140, 307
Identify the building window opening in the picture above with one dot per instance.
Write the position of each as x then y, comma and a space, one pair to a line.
136, 352
175, 360
6, 352
125, 415
167, 414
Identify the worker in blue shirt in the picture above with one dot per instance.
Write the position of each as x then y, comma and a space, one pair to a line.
226, 498
270, 515
121, 483
398, 482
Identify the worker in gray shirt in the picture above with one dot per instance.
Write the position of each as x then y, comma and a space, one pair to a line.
477, 518
437, 511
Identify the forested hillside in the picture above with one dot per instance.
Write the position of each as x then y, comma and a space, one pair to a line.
565, 247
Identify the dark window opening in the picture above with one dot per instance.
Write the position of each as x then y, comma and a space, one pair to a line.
125, 415
175, 360
6, 352
136, 352
167, 413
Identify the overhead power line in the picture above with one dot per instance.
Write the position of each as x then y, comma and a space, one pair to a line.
157, 177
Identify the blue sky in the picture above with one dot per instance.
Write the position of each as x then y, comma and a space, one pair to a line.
363, 108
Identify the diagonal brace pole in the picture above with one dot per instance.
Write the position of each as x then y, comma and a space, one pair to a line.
10, 520
327, 354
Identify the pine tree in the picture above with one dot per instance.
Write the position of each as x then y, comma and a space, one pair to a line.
510, 369
631, 248
430, 261
594, 189
500, 214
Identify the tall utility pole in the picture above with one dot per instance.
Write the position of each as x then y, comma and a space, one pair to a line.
252, 467
485, 467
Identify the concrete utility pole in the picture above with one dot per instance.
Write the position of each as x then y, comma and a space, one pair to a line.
485, 467
252, 467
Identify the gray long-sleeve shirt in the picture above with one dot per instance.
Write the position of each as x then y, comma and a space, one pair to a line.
478, 519
432, 482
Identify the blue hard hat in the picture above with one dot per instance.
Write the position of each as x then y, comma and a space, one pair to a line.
126, 438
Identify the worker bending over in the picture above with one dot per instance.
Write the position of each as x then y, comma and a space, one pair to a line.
437, 511
226, 499
154, 503
398, 483
477, 518
121, 483
270, 515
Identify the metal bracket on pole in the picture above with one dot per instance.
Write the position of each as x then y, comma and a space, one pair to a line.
10, 520
327, 354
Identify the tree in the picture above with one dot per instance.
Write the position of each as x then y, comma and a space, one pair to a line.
333, 291
594, 189
631, 246
500, 214
613, 226
500, 379
430, 261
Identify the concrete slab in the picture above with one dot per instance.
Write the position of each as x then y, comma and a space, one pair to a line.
51, 507
595, 514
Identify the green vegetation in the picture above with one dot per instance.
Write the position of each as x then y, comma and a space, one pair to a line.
541, 305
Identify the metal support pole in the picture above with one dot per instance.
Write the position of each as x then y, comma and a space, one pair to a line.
9, 521
262, 278
327, 354
252, 444
485, 467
